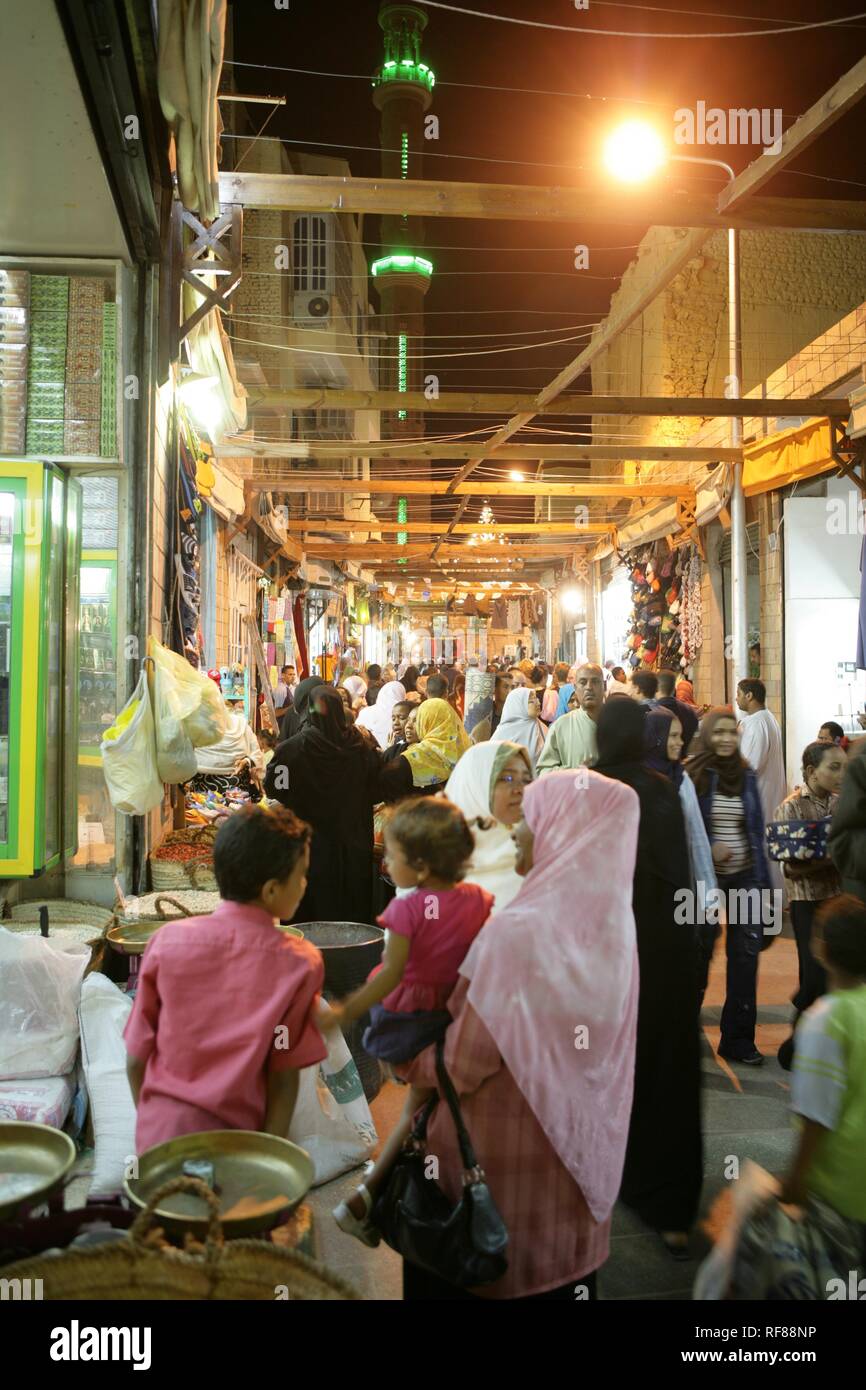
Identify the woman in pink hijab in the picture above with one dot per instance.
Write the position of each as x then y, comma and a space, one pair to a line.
541, 1049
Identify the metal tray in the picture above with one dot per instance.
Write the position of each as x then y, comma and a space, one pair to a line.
247, 1166
34, 1160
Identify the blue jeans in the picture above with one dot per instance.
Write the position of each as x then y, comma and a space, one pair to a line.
743, 947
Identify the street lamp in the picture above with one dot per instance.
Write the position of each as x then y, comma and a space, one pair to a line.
633, 153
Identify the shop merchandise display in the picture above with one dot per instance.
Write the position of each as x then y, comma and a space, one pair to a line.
665, 620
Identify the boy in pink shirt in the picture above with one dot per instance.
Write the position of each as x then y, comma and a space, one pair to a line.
225, 1011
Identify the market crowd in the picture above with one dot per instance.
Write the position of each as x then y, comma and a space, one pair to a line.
555, 855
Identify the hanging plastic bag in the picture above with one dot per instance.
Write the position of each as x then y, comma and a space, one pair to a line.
198, 703
129, 756
332, 1119
175, 755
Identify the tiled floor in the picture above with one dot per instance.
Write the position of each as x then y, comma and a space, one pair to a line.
745, 1116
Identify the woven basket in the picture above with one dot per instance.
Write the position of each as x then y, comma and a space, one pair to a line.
150, 907
136, 1269
62, 912
168, 874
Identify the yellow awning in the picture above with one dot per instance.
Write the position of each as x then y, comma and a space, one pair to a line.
788, 457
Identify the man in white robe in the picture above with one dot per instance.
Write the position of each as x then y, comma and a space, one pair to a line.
761, 746
572, 741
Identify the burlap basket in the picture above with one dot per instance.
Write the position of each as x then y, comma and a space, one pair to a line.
136, 1269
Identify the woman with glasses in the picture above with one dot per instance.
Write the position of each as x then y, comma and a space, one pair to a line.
488, 785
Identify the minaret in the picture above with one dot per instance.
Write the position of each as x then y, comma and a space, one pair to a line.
403, 93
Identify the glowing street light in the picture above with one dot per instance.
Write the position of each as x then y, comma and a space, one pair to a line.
634, 151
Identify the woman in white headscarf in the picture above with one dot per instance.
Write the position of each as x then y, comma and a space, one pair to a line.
377, 718
488, 785
520, 723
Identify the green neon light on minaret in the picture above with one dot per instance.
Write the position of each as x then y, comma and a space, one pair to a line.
404, 155
401, 371
402, 515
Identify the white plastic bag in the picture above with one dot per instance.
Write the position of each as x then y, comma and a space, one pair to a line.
198, 702
104, 1011
129, 756
39, 993
332, 1119
175, 755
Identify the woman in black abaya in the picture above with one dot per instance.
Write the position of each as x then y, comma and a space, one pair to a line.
328, 775
664, 1158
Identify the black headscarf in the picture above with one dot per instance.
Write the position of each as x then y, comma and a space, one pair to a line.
297, 714
409, 679
658, 731
329, 719
686, 714
622, 748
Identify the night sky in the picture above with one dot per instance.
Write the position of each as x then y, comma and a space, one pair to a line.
543, 138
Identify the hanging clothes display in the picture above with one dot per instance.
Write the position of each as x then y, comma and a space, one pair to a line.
186, 587
303, 662
666, 615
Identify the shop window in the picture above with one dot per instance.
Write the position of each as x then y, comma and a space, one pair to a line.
310, 253
243, 578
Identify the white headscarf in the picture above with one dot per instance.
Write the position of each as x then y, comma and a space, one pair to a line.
377, 718
518, 726
356, 686
470, 787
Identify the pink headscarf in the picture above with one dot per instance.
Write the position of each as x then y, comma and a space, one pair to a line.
563, 956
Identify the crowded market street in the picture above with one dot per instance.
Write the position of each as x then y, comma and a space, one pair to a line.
432, 669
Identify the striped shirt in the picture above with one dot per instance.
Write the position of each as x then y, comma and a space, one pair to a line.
729, 828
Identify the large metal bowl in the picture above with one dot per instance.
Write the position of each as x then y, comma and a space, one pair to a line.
248, 1167
34, 1161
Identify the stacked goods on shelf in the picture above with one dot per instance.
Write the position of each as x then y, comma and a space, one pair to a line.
108, 403
14, 334
83, 404
46, 375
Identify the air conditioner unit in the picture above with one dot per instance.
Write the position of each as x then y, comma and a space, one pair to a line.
311, 307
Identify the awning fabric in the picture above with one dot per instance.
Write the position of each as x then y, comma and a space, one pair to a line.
660, 521
788, 457
191, 43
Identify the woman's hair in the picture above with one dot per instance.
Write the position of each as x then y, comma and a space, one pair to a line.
560, 673
841, 924
410, 678
835, 729
815, 753
256, 844
269, 739
433, 831
646, 682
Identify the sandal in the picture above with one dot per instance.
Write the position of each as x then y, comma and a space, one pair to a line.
361, 1227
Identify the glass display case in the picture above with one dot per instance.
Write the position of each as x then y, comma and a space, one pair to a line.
39, 552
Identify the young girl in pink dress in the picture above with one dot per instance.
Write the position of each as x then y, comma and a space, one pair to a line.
428, 933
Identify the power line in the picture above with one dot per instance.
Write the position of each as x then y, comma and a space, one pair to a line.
633, 34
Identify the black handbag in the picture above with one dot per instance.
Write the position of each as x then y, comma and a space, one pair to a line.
463, 1244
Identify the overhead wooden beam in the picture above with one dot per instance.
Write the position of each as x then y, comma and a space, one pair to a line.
383, 550
842, 96
263, 478
516, 453
494, 403
439, 528
669, 207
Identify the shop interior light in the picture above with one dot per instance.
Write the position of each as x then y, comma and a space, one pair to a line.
202, 397
516, 476
571, 600
634, 151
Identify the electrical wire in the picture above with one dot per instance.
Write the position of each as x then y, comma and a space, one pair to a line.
631, 34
